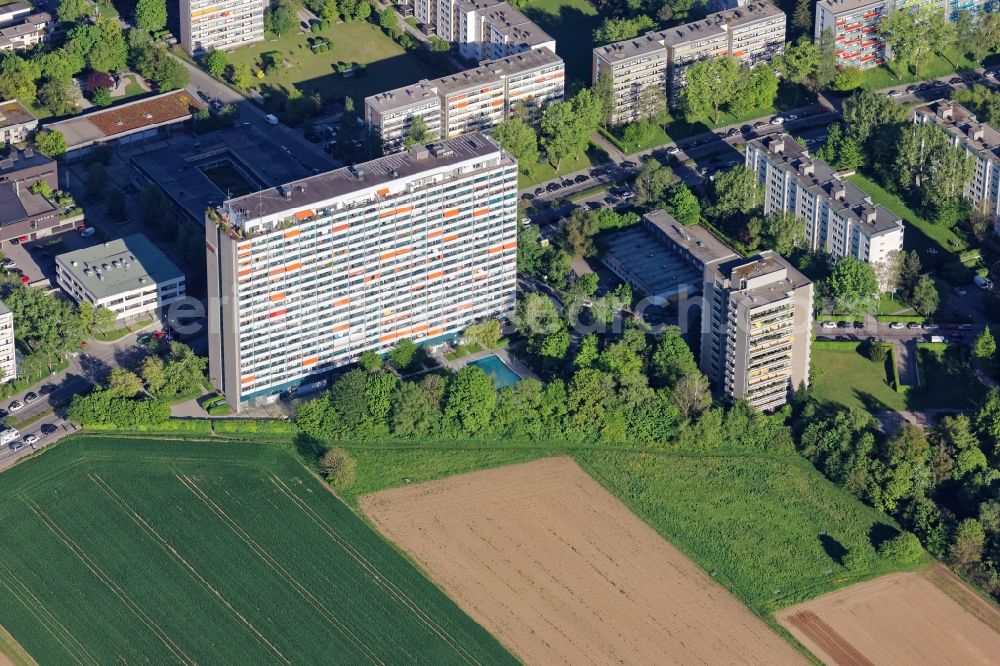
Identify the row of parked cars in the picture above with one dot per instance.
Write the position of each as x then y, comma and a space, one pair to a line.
898, 325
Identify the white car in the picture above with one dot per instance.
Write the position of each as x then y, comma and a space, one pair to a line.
829, 324
777, 120
15, 406
30, 439
931, 327
894, 93
897, 325
673, 150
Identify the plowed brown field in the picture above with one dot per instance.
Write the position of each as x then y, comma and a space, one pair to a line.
908, 618
563, 573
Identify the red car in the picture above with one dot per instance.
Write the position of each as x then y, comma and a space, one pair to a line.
25, 279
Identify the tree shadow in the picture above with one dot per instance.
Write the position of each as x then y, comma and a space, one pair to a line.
833, 548
95, 370
880, 533
871, 403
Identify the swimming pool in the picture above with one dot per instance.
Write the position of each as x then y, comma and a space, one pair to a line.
495, 367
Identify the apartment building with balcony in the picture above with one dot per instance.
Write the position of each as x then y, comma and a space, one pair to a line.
980, 140
20, 28
473, 100
305, 277
855, 29
840, 218
8, 357
482, 29
756, 329
752, 33
974, 7
220, 24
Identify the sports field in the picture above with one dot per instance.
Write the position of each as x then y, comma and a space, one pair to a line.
138, 551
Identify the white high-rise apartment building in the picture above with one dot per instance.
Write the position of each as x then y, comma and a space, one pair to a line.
979, 140
220, 24
483, 29
8, 362
305, 277
840, 218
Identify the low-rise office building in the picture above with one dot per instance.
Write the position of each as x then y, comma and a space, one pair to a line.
305, 277
474, 100
8, 355
129, 276
27, 215
753, 33
841, 219
978, 139
756, 329
220, 24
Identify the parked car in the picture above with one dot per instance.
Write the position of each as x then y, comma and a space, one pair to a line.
88, 232
552, 187
628, 164
527, 196
965, 327
859, 324
843, 324
271, 119
567, 183
673, 150
777, 120
914, 326
983, 283
16, 445
15, 406
955, 81
829, 324
897, 325
48, 429
31, 438
733, 132
539, 191
894, 93
582, 178
8, 263
960, 291
791, 116
30, 397
931, 327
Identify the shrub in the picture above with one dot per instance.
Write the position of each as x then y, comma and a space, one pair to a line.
338, 467
904, 549
860, 558
875, 351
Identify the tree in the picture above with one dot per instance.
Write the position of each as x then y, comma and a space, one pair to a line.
802, 17
588, 353
403, 354
711, 84
586, 285
519, 139
17, 78
867, 115
485, 334
151, 15
967, 547
389, 20
154, 374
826, 67
102, 44
987, 35
985, 347
913, 35
783, 232
799, 60
558, 133
216, 62
685, 205
417, 133
735, 191
854, 286
104, 319
652, 103
60, 64
909, 272
470, 399
860, 558
101, 97
242, 76
338, 466
672, 359
981, 224
875, 351
919, 147
51, 143
579, 230
605, 93
924, 298
618, 29
71, 11
124, 383
849, 78
56, 95
536, 315
757, 89
691, 394
653, 183
279, 20
370, 361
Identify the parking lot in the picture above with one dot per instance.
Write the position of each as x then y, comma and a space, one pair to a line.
37, 259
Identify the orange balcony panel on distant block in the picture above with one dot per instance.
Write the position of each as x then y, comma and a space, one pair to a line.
293, 267
339, 228
243, 254
278, 313
496, 102
436, 275
248, 379
396, 211
435, 331
461, 105
388, 337
739, 53
451, 213
495, 249
292, 233
340, 302
510, 246
356, 272
244, 248
276, 271
419, 329
246, 271
304, 214
310, 361
382, 192
464, 306
481, 211
435, 233
277, 297
450, 237
341, 327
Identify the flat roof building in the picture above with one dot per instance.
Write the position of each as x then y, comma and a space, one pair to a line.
27, 215
304, 277
16, 122
220, 24
473, 100
841, 218
8, 355
483, 29
129, 276
978, 139
658, 60
21, 29
129, 123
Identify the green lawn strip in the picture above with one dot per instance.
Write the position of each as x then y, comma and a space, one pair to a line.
387, 64
540, 172
847, 378
932, 67
920, 234
21, 425
119, 333
220, 552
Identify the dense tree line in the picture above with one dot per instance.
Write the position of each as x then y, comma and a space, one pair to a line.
941, 485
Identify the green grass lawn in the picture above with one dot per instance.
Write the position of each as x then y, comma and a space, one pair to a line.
888, 305
847, 378
388, 65
571, 23
132, 89
933, 67
920, 234
771, 529
946, 379
142, 551
542, 171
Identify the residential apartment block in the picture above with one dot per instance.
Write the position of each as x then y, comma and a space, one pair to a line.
21, 29
840, 218
305, 277
8, 357
979, 140
855, 28
130, 276
220, 24
753, 33
483, 29
16, 122
473, 100
756, 328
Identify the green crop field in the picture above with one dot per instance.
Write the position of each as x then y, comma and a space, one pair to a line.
140, 551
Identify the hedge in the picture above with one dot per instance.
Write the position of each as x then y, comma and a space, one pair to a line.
894, 369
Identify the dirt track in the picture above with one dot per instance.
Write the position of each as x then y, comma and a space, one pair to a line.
563, 573
927, 618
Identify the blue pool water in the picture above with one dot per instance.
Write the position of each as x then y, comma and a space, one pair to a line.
502, 375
